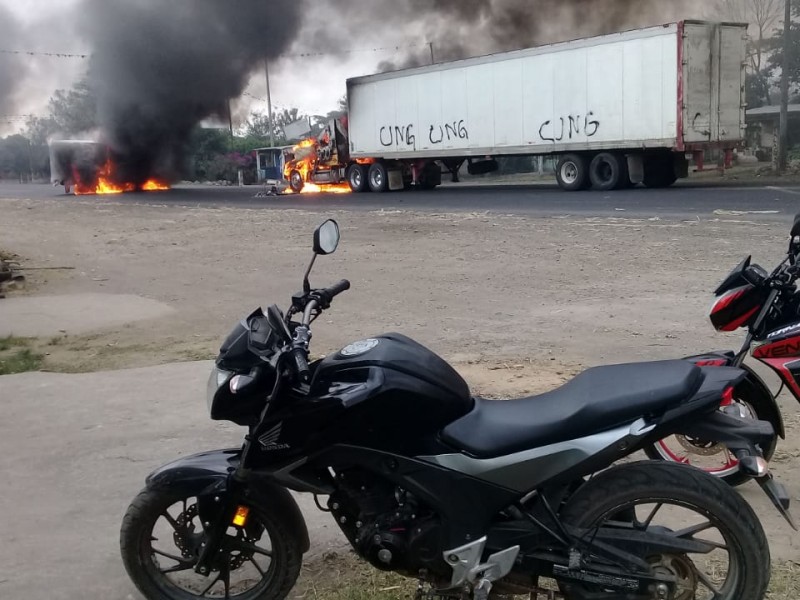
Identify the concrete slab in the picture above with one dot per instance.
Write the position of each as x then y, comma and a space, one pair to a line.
74, 451
34, 316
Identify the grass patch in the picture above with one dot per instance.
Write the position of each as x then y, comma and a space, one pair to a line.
785, 582
17, 356
342, 576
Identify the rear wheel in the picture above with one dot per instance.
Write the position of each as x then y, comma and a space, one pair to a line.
750, 401
572, 173
727, 557
357, 178
378, 177
162, 537
606, 171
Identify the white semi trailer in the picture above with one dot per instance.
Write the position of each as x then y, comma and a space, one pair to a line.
616, 111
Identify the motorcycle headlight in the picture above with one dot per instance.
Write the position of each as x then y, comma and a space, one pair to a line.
216, 380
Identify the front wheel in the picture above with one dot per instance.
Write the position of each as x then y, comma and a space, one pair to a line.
296, 181
723, 553
163, 535
750, 401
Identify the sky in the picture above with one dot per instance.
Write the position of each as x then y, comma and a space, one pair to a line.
313, 84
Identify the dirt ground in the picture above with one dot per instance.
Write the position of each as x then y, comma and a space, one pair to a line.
519, 304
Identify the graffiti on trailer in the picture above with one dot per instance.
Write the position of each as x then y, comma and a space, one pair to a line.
570, 127
394, 135
456, 131
397, 136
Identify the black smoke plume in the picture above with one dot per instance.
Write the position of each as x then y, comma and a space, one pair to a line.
159, 67
463, 28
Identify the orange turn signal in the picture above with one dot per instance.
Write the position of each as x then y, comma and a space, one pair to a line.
240, 518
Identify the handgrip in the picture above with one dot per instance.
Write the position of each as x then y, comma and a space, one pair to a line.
301, 362
338, 288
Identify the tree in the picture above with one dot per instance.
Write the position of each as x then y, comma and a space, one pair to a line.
15, 156
763, 16
74, 111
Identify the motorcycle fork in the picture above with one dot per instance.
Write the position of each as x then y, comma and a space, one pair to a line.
216, 529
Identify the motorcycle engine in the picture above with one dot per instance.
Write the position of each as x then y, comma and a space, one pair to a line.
387, 526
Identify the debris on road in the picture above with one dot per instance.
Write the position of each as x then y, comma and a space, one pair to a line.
11, 276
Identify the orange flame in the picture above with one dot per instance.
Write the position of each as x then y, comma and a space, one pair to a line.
105, 183
305, 162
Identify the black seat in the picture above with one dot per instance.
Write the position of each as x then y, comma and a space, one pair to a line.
596, 400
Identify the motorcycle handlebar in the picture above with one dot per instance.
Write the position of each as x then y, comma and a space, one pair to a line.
337, 288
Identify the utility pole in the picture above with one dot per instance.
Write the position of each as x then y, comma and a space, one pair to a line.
433, 58
269, 105
784, 127
230, 117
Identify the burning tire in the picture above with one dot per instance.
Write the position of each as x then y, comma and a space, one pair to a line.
357, 178
378, 177
572, 173
296, 181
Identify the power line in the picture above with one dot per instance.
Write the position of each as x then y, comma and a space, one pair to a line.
353, 51
51, 54
299, 55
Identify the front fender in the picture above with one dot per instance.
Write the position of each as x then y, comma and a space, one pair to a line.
209, 473
200, 474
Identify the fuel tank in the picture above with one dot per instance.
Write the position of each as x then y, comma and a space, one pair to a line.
393, 390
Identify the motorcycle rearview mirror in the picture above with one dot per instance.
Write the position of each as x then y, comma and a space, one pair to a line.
326, 240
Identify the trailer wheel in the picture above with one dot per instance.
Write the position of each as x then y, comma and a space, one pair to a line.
572, 173
606, 171
357, 178
296, 181
378, 177
659, 171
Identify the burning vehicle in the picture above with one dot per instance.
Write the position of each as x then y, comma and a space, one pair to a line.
87, 167
320, 164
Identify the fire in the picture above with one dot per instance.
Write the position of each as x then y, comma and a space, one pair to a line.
306, 161
324, 188
105, 183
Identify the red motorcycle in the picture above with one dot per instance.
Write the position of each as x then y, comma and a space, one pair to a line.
768, 306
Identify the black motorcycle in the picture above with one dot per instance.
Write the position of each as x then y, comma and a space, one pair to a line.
767, 306
471, 497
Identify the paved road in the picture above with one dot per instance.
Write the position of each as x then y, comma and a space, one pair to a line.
686, 200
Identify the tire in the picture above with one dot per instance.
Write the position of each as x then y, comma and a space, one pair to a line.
357, 178
659, 171
607, 496
572, 173
296, 181
606, 172
137, 554
378, 178
757, 398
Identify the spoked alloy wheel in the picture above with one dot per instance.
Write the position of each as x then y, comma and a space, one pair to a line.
725, 554
162, 538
